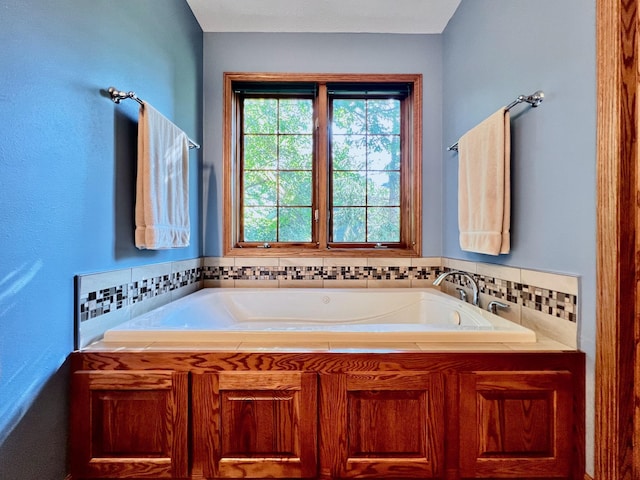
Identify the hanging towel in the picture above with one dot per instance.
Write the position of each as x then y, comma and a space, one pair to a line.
162, 185
484, 186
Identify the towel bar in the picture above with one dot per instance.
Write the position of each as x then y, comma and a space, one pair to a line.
117, 96
534, 100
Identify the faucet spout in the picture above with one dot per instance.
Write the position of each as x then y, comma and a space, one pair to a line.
472, 281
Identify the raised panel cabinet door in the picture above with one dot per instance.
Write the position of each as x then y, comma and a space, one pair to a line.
381, 425
255, 424
129, 424
516, 424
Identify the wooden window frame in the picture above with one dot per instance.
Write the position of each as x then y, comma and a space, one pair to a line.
411, 209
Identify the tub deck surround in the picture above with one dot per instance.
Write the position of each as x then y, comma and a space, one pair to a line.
318, 315
545, 302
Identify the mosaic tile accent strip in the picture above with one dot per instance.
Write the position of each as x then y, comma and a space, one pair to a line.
558, 304
103, 301
94, 304
320, 273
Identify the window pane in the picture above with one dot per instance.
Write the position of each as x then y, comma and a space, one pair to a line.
349, 188
383, 152
260, 188
383, 116
295, 188
260, 224
349, 152
349, 117
371, 150
295, 224
296, 152
260, 115
383, 188
296, 116
383, 224
349, 224
277, 175
260, 152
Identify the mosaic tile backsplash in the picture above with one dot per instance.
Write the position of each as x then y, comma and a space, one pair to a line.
320, 273
557, 304
92, 304
110, 298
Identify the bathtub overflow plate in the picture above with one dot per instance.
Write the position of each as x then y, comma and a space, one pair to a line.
326, 299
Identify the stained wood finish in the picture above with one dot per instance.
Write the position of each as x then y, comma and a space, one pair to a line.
129, 424
368, 415
256, 424
324, 362
516, 424
617, 420
382, 425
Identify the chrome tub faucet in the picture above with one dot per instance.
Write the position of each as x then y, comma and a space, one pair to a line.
474, 284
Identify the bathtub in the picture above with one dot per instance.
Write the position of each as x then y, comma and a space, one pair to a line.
291, 316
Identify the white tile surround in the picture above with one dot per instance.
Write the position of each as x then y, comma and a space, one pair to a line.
546, 302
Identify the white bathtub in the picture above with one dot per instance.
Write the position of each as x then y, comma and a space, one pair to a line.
318, 315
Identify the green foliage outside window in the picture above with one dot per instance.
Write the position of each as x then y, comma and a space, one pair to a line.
277, 166
277, 169
365, 160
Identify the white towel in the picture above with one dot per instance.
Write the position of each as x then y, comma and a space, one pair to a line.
162, 186
484, 186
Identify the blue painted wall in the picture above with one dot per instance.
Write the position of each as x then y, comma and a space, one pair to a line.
495, 50
325, 53
67, 177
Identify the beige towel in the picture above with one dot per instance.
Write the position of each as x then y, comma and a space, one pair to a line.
484, 186
162, 186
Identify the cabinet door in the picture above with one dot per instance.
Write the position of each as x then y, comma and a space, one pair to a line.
255, 424
381, 425
129, 424
515, 424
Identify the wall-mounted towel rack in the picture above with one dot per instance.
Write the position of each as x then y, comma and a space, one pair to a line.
534, 100
117, 96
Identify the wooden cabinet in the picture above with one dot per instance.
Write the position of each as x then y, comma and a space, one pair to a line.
516, 424
129, 424
382, 425
255, 424
216, 415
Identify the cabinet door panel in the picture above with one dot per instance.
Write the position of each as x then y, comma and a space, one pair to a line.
374, 419
382, 425
129, 424
255, 424
516, 424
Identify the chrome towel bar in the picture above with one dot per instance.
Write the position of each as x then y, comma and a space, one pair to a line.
534, 100
117, 96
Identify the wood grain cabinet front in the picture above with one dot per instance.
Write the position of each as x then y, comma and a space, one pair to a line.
516, 425
255, 424
208, 415
129, 424
382, 425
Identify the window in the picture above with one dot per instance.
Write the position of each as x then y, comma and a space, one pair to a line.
322, 164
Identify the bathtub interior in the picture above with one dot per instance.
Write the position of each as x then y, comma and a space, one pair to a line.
294, 315
340, 307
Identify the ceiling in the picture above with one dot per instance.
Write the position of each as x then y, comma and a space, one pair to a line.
336, 16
